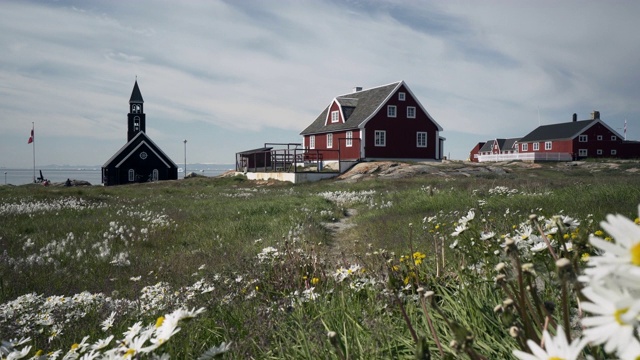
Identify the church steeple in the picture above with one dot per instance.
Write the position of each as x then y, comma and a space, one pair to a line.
136, 116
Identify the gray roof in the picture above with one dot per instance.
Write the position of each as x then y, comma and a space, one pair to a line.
566, 130
503, 144
134, 143
357, 108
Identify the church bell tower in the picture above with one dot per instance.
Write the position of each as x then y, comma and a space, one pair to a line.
136, 118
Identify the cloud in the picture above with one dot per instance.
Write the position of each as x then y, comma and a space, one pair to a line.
231, 75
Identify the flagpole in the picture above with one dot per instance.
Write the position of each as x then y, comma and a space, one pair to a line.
34, 150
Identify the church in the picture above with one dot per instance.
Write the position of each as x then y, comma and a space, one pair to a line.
140, 159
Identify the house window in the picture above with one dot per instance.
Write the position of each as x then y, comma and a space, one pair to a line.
136, 123
599, 137
582, 152
421, 139
401, 96
335, 116
391, 111
614, 152
599, 151
380, 138
614, 138
132, 175
154, 175
312, 142
547, 145
411, 112
525, 147
582, 138
349, 141
536, 146
329, 141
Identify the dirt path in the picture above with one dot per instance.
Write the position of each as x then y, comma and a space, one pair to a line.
339, 243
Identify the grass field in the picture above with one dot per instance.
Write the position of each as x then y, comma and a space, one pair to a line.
440, 266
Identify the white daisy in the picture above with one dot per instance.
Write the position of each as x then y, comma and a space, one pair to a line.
555, 348
610, 326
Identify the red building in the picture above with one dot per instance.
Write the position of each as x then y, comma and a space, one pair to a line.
385, 122
580, 139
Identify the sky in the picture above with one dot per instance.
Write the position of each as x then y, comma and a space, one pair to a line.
229, 76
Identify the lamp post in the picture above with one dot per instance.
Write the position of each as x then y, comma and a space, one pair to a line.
5, 178
185, 158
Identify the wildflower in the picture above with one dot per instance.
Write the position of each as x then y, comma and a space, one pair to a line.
417, 257
610, 326
555, 348
315, 281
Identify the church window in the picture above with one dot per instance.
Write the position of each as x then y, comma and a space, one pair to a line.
136, 123
154, 176
132, 175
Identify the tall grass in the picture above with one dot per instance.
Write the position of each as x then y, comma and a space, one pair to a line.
151, 248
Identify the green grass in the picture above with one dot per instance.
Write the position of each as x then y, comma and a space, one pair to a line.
213, 229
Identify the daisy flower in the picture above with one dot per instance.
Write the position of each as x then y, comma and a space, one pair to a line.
609, 326
555, 348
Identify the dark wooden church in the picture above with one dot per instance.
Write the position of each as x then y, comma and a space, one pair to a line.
140, 159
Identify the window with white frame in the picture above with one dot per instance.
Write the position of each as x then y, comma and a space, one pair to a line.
614, 138
391, 111
582, 152
349, 141
132, 175
614, 152
547, 145
154, 175
525, 147
380, 138
401, 96
599, 137
599, 151
411, 112
583, 138
421, 139
536, 146
329, 141
312, 142
335, 116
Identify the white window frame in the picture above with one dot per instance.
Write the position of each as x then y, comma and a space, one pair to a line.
349, 141
380, 138
312, 142
536, 146
155, 175
411, 112
132, 175
547, 145
401, 96
525, 147
599, 152
599, 137
583, 138
392, 111
335, 116
329, 141
421, 139
614, 138
583, 152
614, 152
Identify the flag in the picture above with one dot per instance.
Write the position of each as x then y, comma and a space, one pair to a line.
30, 137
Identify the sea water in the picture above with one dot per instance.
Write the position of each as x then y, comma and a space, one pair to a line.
92, 175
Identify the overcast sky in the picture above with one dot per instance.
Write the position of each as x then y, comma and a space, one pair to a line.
228, 76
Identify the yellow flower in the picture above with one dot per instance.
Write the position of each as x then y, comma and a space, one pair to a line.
599, 233
565, 236
315, 281
75, 346
637, 221
584, 257
395, 268
159, 321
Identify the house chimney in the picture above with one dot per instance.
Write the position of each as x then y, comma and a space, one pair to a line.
595, 115
357, 88
575, 117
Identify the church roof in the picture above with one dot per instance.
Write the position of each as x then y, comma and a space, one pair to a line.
136, 96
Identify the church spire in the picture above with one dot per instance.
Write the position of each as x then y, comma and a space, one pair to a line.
136, 118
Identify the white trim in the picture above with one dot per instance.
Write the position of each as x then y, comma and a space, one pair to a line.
132, 175
312, 141
536, 146
414, 112
134, 150
349, 138
583, 138
583, 152
548, 145
599, 152
335, 116
402, 96
389, 112
614, 152
418, 139
329, 140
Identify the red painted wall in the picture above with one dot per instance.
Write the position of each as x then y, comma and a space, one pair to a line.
401, 131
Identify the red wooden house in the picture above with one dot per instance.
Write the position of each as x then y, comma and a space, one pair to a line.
385, 122
579, 139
